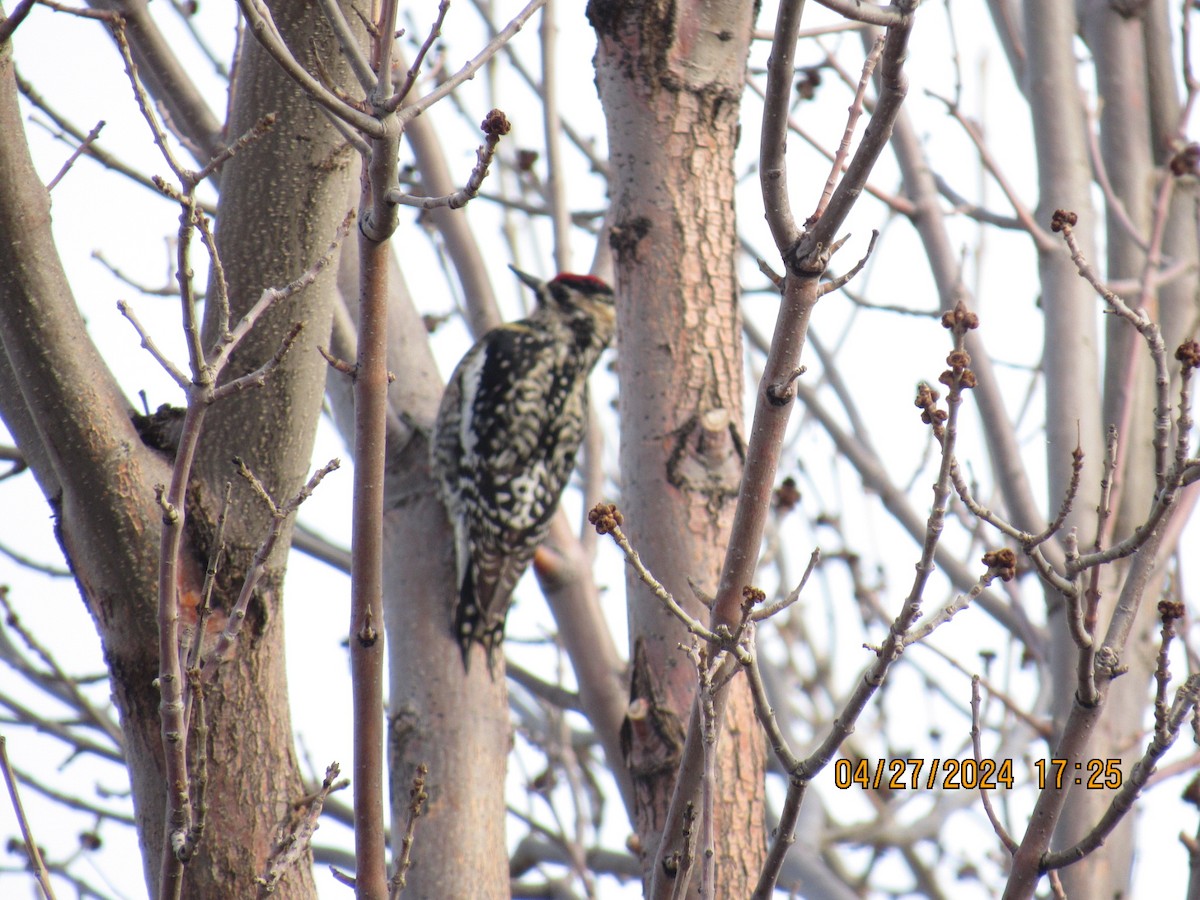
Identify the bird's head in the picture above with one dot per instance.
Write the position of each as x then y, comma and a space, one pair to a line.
572, 295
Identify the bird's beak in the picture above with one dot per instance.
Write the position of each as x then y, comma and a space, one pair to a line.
533, 283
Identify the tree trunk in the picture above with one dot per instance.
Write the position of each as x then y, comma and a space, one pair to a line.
671, 80
281, 201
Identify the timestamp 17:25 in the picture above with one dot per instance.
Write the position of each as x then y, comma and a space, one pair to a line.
1094, 774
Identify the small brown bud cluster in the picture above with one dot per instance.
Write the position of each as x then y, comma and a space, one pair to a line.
1062, 218
605, 517
433, 322
1170, 610
526, 160
807, 82
960, 320
926, 401
1001, 563
786, 496
1186, 161
88, 840
958, 373
753, 595
495, 124
1189, 355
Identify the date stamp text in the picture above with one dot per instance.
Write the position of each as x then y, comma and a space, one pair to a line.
969, 774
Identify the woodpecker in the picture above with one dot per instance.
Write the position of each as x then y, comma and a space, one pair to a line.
504, 444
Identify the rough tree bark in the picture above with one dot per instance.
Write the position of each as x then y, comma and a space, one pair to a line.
671, 78
281, 201
284, 199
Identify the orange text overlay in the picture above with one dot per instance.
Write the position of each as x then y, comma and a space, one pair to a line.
970, 774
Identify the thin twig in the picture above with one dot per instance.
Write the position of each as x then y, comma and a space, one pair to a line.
146, 106
148, 344
495, 125
411, 111
841, 281
81, 149
262, 26
596, 162
1113, 204
607, 519
771, 609
31, 847
984, 794
72, 800
15, 18
61, 680
78, 744
866, 13
259, 376
280, 514
348, 42
895, 202
416, 808
410, 78
297, 837
1041, 238
855, 112
271, 296
1063, 222
812, 252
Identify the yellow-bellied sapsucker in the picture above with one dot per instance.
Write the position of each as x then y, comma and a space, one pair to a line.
504, 445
